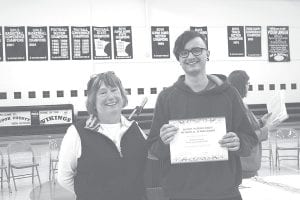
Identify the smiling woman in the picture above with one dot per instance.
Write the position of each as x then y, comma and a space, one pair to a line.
105, 95
92, 163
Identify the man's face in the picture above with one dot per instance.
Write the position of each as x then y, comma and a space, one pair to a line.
193, 61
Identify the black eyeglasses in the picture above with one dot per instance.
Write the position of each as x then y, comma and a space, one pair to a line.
196, 51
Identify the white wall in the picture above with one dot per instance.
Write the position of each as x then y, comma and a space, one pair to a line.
142, 71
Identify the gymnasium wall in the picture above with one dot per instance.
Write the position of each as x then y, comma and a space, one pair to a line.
143, 75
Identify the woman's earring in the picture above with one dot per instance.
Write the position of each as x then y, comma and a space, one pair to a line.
207, 58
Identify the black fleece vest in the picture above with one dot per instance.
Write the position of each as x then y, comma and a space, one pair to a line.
103, 174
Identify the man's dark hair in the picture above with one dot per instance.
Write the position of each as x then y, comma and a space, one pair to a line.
184, 38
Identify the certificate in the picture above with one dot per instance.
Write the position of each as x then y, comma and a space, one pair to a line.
276, 106
197, 140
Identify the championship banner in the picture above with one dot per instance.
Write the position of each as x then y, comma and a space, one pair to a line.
253, 41
203, 31
59, 43
15, 45
37, 39
1, 45
278, 43
236, 47
122, 42
15, 118
81, 43
101, 43
160, 42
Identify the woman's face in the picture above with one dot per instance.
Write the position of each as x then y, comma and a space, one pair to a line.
109, 101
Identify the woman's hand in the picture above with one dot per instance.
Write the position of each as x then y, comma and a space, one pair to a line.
230, 141
272, 125
167, 133
265, 118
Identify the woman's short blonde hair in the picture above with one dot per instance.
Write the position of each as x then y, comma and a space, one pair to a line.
109, 79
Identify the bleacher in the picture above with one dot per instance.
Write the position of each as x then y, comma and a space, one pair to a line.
145, 117
293, 110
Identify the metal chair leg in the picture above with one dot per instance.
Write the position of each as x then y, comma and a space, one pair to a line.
298, 158
8, 183
32, 175
13, 176
277, 160
8, 178
53, 172
38, 175
50, 170
272, 160
1, 178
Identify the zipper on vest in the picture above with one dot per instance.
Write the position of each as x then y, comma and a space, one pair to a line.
113, 144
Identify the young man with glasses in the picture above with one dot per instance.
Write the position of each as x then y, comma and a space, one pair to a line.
199, 95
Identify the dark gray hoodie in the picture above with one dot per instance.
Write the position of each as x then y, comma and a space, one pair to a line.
203, 180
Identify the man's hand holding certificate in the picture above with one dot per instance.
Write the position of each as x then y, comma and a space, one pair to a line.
197, 140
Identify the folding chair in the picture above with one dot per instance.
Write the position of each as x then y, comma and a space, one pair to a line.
54, 147
20, 157
3, 167
267, 147
287, 145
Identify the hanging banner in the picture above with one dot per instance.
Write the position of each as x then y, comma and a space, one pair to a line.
59, 43
63, 116
1, 45
203, 31
160, 42
101, 43
15, 118
236, 47
81, 43
278, 43
35, 116
15, 45
253, 41
37, 43
122, 42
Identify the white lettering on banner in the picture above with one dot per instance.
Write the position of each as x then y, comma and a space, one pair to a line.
15, 118
56, 117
